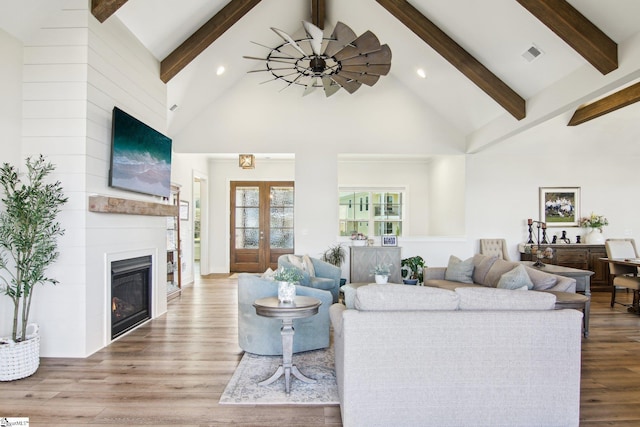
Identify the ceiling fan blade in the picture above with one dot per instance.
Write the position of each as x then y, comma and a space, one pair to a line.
368, 79
366, 43
271, 69
329, 86
272, 59
380, 57
270, 48
311, 86
342, 35
316, 35
286, 37
379, 69
348, 85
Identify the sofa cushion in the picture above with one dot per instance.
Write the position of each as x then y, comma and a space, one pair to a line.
541, 280
395, 297
504, 299
482, 264
446, 284
497, 270
515, 279
459, 271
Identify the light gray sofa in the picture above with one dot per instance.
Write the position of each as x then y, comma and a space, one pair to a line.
327, 276
420, 356
261, 335
487, 271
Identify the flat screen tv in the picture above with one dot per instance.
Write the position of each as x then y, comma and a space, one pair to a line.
140, 157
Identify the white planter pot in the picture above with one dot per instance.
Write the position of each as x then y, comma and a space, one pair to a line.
286, 292
595, 237
20, 359
380, 279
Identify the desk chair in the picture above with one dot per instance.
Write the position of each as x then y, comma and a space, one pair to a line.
495, 247
624, 276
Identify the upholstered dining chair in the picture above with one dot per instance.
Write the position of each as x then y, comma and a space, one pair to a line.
624, 276
495, 247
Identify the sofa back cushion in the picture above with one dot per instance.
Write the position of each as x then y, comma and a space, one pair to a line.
504, 299
541, 280
497, 270
482, 264
394, 297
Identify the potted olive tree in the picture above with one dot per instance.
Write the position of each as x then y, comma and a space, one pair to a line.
28, 245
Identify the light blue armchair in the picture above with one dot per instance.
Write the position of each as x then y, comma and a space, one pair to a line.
261, 335
327, 275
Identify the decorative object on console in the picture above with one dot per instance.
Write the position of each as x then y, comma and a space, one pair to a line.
358, 239
247, 161
538, 250
344, 61
596, 223
28, 243
389, 240
560, 206
381, 273
412, 269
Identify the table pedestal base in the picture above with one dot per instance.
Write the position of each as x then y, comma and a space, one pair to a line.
287, 368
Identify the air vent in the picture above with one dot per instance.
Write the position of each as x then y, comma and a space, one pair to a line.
532, 53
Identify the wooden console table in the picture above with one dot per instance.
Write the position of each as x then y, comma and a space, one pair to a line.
582, 257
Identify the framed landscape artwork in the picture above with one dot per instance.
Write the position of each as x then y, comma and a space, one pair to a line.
560, 206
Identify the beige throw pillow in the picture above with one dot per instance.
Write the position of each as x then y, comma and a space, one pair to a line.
308, 264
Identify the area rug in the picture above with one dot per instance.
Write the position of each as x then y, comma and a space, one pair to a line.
243, 388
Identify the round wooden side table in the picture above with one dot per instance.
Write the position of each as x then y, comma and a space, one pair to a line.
301, 307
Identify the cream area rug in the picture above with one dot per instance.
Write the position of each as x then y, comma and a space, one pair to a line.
243, 388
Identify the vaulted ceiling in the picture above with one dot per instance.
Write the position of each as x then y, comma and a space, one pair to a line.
472, 52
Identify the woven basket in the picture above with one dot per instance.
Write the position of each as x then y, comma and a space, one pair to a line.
20, 359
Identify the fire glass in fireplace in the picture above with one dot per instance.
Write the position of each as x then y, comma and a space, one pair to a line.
130, 294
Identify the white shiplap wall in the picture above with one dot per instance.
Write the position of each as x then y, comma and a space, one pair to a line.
75, 71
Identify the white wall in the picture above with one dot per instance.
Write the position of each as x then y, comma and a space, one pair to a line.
75, 70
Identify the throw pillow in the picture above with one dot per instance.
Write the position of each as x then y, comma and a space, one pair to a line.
515, 279
268, 274
308, 264
482, 265
459, 271
541, 280
296, 262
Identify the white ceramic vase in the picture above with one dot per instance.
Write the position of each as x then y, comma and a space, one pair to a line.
381, 279
595, 237
286, 292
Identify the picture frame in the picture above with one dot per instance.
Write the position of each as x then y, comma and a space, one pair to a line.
184, 210
389, 240
560, 206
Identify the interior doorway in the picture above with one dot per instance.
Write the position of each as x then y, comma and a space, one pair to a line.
200, 224
261, 224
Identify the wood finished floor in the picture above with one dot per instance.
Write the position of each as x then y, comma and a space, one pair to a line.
172, 371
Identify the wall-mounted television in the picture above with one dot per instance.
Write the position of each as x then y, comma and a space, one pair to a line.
140, 157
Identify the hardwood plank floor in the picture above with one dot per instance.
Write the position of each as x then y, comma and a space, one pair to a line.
172, 371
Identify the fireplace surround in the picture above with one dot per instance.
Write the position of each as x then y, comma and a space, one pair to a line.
130, 302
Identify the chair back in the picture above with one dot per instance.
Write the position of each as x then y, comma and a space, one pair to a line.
495, 247
621, 248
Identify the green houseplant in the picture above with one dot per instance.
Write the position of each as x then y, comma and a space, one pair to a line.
335, 255
287, 277
28, 239
412, 268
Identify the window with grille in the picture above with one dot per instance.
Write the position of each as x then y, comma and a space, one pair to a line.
371, 212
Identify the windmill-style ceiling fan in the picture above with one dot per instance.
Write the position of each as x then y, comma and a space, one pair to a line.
342, 61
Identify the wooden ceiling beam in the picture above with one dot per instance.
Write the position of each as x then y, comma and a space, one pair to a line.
203, 37
457, 56
102, 9
318, 12
613, 102
577, 31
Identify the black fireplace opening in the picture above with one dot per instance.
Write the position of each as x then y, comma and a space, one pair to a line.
130, 294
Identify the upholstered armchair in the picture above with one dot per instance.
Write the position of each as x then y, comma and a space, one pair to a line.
327, 276
261, 335
496, 247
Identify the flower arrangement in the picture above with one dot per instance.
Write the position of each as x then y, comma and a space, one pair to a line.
287, 274
381, 270
594, 221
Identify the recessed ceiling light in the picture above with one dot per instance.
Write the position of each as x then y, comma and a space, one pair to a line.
220, 71
421, 73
